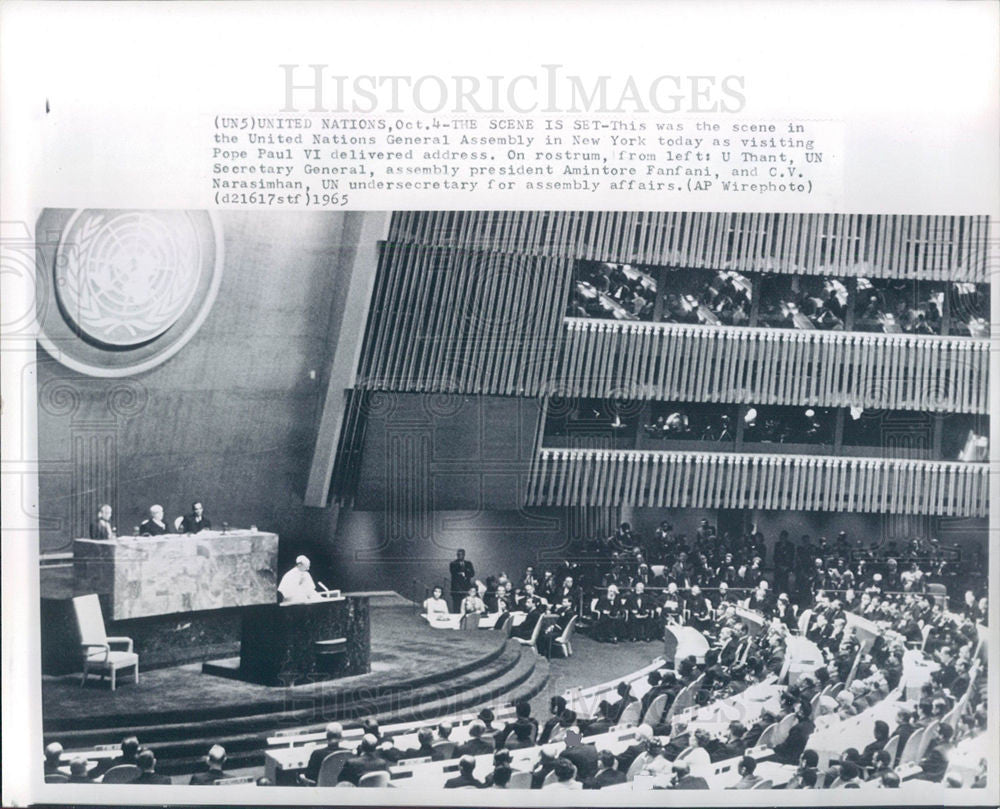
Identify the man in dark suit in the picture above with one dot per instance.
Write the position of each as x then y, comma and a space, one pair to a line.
424, 748
465, 778
747, 778
477, 745
146, 762
606, 774
130, 750
557, 706
679, 742
334, 733
934, 764
102, 528
154, 526
535, 611
683, 779
215, 772
583, 756
642, 623
78, 771
904, 729
625, 698
644, 735
790, 750
367, 760
732, 746
784, 561
462, 578
196, 521
523, 717
53, 758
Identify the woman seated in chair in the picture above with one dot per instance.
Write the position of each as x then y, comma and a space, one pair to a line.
436, 605
472, 603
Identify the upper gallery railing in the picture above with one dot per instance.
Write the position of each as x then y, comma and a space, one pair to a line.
664, 479
661, 361
939, 248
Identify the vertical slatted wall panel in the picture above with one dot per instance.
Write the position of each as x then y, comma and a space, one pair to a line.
828, 369
721, 480
943, 248
464, 321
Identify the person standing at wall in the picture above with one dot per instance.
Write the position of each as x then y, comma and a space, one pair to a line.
462, 578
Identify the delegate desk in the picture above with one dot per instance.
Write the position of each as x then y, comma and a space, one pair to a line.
452, 620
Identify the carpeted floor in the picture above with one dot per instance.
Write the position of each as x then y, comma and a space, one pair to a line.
403, 648
592, 663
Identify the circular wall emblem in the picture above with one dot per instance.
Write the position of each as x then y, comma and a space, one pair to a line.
128, 277
131, 287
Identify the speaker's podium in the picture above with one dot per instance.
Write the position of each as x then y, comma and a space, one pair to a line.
292, 643
302, 642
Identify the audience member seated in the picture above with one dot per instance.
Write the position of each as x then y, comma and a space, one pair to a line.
934, 764
146, 762
365, 761
476, 745
472, 603
215, 772
791, 749
465, 778
500, 777
747, 778
583, 756
607, 774
334, 733
53, 756
682, 778
130, 751
436, 603
78, 771
565, 773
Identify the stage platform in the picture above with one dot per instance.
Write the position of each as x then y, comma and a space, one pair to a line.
417, 672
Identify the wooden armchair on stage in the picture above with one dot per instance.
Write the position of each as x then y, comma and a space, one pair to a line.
96, 645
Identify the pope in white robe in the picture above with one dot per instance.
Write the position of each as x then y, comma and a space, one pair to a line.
297, 584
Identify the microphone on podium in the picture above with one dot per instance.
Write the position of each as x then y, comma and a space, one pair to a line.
325, 588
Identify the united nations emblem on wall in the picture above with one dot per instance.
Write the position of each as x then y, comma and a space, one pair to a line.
130, 287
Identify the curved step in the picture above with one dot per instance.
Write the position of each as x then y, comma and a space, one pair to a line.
524, 678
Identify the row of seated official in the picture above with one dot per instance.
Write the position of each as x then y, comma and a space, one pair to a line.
134, 765
154, 525
533, 609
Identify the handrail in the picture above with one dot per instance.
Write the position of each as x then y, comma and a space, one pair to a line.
780, 332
